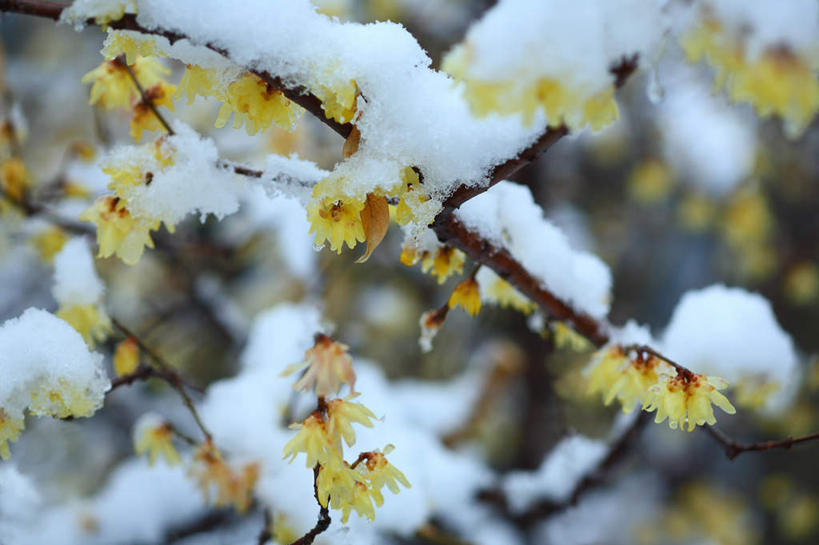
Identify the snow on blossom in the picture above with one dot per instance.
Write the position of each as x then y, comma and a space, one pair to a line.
508, 216
734, 334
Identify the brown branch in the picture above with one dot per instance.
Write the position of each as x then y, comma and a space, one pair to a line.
642, 350
265, 535
144, 98
166, 373
452, 231
618, 450
734, 448
323, 521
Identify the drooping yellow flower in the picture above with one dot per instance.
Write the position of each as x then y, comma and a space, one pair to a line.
411, 198
779, 81
337, 221
328, 367
342, 414
10, 428
14, 178
62, 401
617, 376
130, 44
90, 321
497, 290
112, 86
200, 81
567, 338
126, 357
314, 440
466, 295
379, 472
443, 262
524, 96
157, 441
338, 102
682, 398
49, 242
118, 232
212, 474
256, 105
338, 481
144, 118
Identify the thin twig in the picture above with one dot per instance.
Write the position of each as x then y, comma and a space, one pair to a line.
734, 448
168, 374
265, 535
323, 518
144, 98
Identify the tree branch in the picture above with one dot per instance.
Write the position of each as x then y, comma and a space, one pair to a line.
734, 448
323, 521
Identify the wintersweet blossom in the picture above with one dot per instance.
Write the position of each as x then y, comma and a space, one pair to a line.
337, 221
313, 439
443, 262
342, 414
112, 86
10, 427
256, 105
91, 321
617, 376
14, 178
131, 44
328, 367
144, 118
338, 101
686, 397
495, 289
212, 473
118, 232
200, 81
126, 357
379, 472
778, 81
466, 295
155, 437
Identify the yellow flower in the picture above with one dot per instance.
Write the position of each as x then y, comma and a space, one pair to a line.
682, 398
126, 357
14, 178
409, 256
338, 481
63, 401
337, 221
466, 295
380, 473
411, 197
90, 321
49, 242
211, 472
256, 105
131, 45
779, 81
497, 290
314, 440
615, 375
156, 438
199, 81
566, 337
342, 414
144, 119
328, 366
10, 428
754, 392
112, 85
117, 231
444, 262
339, 102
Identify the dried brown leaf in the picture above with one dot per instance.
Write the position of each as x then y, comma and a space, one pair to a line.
376, 219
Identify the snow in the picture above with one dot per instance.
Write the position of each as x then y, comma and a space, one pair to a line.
732, 333
19, 503
558, 474
193, 183
764, 24
710, 142
42, 353
508, 216
402, 97
583, 38
75, 279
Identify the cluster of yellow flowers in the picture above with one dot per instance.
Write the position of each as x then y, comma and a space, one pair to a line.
339, 218
575, 108
118, 230
113, 88
339, 484
442, 262
779, 81
213, 474
634, 376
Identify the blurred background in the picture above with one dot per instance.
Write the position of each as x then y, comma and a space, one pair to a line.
684, 191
